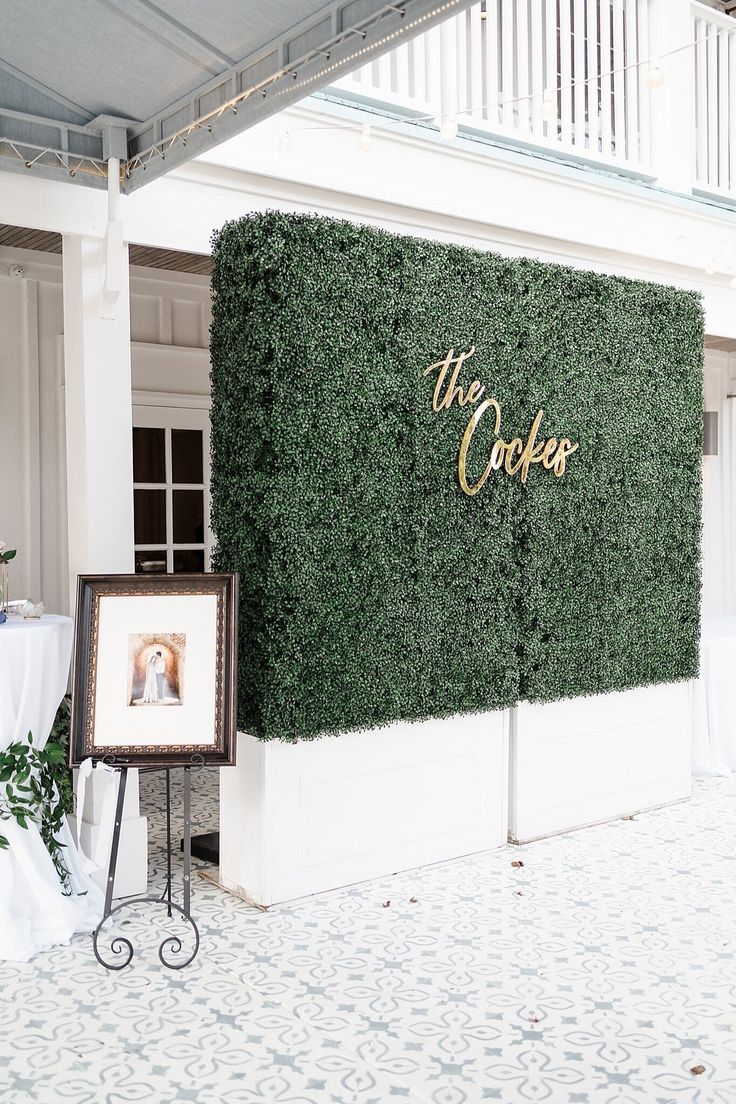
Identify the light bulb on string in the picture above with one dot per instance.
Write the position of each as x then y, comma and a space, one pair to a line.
654, 76
448, 129
549, 106
286, 144
710, 266
365, 141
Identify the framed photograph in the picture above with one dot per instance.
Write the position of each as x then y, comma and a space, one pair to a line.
155, 663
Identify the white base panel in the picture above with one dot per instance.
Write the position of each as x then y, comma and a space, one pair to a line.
297, 819
586, 760
101, 792
131, 874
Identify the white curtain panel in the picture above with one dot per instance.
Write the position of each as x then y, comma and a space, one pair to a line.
34, 912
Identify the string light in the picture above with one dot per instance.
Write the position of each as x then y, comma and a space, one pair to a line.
549, 106
448, 128
365, 141
654, 76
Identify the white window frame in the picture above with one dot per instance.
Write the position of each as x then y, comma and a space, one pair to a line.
150, 415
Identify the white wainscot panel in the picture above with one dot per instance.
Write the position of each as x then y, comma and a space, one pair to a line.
297, 819
586, 760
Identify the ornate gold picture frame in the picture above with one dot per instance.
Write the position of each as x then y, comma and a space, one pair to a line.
155, 667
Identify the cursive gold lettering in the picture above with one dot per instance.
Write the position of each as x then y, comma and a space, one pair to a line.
453, 392
567, 448
513, 446
465, 445
515, 456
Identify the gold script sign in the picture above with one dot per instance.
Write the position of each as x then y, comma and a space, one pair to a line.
514, 456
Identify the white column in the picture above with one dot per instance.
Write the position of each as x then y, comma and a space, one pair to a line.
672, 106
98, 412
99, 436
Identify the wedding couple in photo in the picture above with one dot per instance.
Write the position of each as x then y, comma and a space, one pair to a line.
153, 690
155, 671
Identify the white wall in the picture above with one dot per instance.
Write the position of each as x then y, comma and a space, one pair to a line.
170, 333
719, 529
32, 473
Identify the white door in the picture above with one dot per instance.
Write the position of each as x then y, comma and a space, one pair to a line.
171, 489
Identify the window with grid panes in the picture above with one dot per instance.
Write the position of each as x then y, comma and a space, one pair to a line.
170, 499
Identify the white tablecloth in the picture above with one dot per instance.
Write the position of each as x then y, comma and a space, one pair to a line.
34, 913
714, 699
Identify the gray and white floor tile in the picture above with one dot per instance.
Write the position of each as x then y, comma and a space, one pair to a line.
599, 972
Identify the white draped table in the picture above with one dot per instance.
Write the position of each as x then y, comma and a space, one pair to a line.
34, 912
714, 699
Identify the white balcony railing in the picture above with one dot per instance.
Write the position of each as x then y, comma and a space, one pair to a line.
576, 77
715, 99
556, 72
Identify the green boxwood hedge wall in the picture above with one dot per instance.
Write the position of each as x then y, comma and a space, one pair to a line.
372, 588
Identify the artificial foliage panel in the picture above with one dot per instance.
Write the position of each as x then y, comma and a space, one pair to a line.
373, 587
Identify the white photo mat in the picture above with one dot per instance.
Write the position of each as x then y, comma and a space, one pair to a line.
117, 721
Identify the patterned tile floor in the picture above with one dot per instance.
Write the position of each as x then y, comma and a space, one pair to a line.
602, 971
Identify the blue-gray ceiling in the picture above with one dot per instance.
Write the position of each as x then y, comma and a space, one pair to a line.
83, 79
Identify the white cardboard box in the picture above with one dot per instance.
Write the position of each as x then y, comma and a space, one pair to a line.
585, 760
131, 875
297, 819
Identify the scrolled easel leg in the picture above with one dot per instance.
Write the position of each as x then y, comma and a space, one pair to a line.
172, 945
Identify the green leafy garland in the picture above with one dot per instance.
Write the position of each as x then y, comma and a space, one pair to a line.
38, 788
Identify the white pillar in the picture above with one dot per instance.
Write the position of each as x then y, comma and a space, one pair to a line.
672, 106
99, 436
98, 413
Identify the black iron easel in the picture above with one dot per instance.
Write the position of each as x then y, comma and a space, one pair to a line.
172, 944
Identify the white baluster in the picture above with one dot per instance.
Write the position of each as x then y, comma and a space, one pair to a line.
723, 163
462, 63
536, 30
644, 92
448, 76
434, 70
475, 35
551, 78
418, 48
632, 82
507, 62
592, 97
491, 83
401, 57
712, 105
619, 80
522, 65
732, 111
606, 78
701, 101
579, 71
384, 72
566, 94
